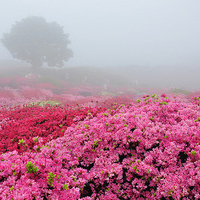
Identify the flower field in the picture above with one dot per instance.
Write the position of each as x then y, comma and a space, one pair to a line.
61, 143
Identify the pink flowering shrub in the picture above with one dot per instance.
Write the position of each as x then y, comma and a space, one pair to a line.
146, 150
196, 99
6, 94
29, 93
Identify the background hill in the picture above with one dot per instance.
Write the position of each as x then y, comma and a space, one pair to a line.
133, 76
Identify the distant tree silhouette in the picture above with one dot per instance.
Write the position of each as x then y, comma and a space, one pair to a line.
37, 42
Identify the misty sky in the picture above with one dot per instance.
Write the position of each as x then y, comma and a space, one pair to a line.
117, 32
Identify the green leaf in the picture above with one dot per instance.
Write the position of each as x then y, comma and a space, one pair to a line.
50, 178
30, 168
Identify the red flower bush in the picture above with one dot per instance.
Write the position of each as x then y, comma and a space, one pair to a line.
146, 150
45, 122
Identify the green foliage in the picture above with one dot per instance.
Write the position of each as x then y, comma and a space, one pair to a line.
50, 178
12, 188
14, 173
30, 168
36, 139
45, 103
196, 120
21, 142
95, 144
163, 103
37, 42
65, 186
193, 153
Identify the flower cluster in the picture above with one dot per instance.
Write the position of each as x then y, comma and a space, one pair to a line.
145, 150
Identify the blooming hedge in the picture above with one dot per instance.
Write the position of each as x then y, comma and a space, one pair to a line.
146, 150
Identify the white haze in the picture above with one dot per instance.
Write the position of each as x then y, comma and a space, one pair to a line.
161, 33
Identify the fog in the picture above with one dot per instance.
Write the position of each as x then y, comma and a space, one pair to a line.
153, 36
